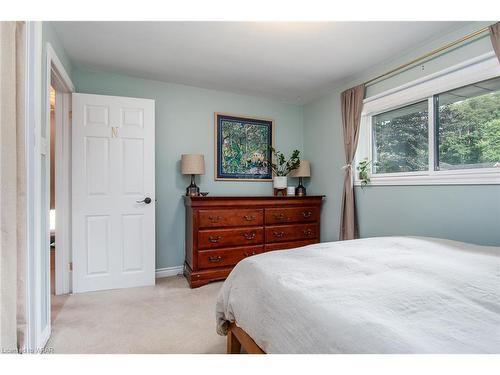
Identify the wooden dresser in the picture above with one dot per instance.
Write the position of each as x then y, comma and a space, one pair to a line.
221, 231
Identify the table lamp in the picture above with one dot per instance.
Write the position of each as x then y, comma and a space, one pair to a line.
192, 164
304, 170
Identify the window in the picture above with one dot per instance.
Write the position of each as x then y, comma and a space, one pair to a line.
400, 139
468, 126
440, 129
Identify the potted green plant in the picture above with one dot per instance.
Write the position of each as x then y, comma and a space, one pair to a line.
282, 167
364, 172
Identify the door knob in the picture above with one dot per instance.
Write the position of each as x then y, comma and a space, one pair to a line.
146, 200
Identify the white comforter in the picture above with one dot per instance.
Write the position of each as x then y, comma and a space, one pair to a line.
375, 295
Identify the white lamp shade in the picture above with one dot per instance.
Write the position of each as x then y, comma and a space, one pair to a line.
192, 164
304, 170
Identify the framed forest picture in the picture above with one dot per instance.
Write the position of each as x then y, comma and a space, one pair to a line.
243, 148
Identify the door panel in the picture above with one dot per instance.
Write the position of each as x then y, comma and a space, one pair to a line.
133, 166
97, 116
132, 229
97, 165
97, 245
132, 117
113, 170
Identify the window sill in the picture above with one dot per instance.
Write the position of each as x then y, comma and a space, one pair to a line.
486, 177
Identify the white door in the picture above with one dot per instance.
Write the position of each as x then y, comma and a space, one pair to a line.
113, 187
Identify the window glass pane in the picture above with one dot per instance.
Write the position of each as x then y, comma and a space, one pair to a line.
468, 126
400, 139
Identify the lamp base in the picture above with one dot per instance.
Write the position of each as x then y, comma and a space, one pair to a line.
300, 191
192, 190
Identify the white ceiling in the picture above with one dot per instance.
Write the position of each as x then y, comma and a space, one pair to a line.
293, 61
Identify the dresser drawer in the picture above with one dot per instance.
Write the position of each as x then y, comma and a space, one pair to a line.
216, 238
291, 215
289, 245
230, 218
226, 257
284, 233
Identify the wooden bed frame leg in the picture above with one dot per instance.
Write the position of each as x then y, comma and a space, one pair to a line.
233, 345
238, 339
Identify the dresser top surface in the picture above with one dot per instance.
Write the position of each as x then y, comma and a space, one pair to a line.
259, 199
263, 197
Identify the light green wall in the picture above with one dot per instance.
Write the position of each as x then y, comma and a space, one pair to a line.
185, 124
466, 213
50, 36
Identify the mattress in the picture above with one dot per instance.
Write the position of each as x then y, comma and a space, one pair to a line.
374, 295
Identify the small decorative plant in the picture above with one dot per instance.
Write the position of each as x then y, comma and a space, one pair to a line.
364, 172
282, 167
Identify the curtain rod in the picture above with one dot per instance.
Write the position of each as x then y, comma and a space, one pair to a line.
434, 52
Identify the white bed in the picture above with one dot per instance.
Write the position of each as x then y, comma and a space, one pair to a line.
374, 295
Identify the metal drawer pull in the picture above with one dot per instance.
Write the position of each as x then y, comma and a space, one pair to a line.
248, 254
214, 239
249, 217
214, 219
306, 214
249, 236
215, 259
279, 216
307, 232
278, 234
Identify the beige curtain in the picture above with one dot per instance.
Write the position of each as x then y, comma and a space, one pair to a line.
351, 105
12, 185
495, 38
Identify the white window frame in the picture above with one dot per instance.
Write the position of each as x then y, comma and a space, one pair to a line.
472, 71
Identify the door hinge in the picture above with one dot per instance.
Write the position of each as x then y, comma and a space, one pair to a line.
71, 266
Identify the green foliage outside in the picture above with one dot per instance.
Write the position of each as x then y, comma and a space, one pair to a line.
468, 134
490, 143
401, 140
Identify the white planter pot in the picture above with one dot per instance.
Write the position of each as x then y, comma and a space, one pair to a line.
280, 182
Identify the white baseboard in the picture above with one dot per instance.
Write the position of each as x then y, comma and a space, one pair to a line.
169, 271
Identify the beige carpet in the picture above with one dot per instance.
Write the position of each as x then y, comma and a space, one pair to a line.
166, 318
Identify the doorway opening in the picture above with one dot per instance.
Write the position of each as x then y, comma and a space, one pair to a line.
57, 192
52, 213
